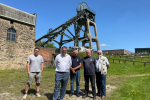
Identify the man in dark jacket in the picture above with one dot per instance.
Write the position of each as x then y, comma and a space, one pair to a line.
89, 63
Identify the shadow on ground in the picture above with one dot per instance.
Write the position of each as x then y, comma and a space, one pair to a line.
81, 93
31, 91
49, 96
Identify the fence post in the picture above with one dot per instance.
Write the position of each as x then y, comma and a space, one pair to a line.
141, 57
133, 62
125, 62
113, 61
144, 64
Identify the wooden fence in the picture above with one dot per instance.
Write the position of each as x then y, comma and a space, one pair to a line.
131, 56
124, 60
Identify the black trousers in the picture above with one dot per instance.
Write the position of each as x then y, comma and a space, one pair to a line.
92, 79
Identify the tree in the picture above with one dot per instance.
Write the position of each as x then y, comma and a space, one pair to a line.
49, 45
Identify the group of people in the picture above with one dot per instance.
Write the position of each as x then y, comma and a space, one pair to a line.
63, 63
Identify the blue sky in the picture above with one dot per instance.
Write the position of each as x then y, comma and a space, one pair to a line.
121, 24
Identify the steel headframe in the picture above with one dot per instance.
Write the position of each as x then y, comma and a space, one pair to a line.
77, 20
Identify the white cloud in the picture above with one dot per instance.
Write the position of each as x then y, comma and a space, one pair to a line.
102, 45
94, 46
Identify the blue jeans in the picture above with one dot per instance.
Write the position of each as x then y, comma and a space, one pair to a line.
60, 77
101, 83
77, 75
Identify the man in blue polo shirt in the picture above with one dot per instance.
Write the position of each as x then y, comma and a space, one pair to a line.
75, 72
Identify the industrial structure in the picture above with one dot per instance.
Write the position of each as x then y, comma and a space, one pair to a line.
142, 50
117, 52
85, 17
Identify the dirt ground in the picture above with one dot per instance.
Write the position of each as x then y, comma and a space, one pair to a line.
138, 75
109, 89
11, 96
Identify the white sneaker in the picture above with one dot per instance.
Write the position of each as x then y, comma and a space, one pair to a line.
25, 96
38, 95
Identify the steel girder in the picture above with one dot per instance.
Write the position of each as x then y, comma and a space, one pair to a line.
52, 35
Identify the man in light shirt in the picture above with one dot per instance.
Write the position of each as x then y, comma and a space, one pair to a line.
34, 69
102, 65
62, 63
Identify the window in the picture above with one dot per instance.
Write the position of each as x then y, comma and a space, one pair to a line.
11, 35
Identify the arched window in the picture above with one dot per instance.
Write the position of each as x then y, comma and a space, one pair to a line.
11, 35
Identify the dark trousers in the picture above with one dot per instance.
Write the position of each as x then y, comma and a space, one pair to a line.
92, 79
101, 83
60, 78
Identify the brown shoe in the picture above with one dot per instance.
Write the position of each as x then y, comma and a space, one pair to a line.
103, 97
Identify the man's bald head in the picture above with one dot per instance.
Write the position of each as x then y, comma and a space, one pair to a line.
100, 53
88, 53
75, 53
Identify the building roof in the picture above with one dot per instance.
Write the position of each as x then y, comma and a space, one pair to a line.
114, 49
142, 48
17, 15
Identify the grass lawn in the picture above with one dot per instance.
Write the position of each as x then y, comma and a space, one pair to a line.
131, 82
133, 88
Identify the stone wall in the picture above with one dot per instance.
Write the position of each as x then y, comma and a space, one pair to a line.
14, 53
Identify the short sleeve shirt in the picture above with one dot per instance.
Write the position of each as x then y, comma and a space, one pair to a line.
35, 63
76, 61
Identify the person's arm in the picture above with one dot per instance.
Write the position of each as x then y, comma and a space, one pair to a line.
108, 66
70, 61
28, 69
42, 67
72, 69
77, 67
83, 64
107, 63
95, 63
28, 65
55, 61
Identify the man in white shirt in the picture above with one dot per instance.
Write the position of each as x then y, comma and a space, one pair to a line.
62, 63
102, 65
